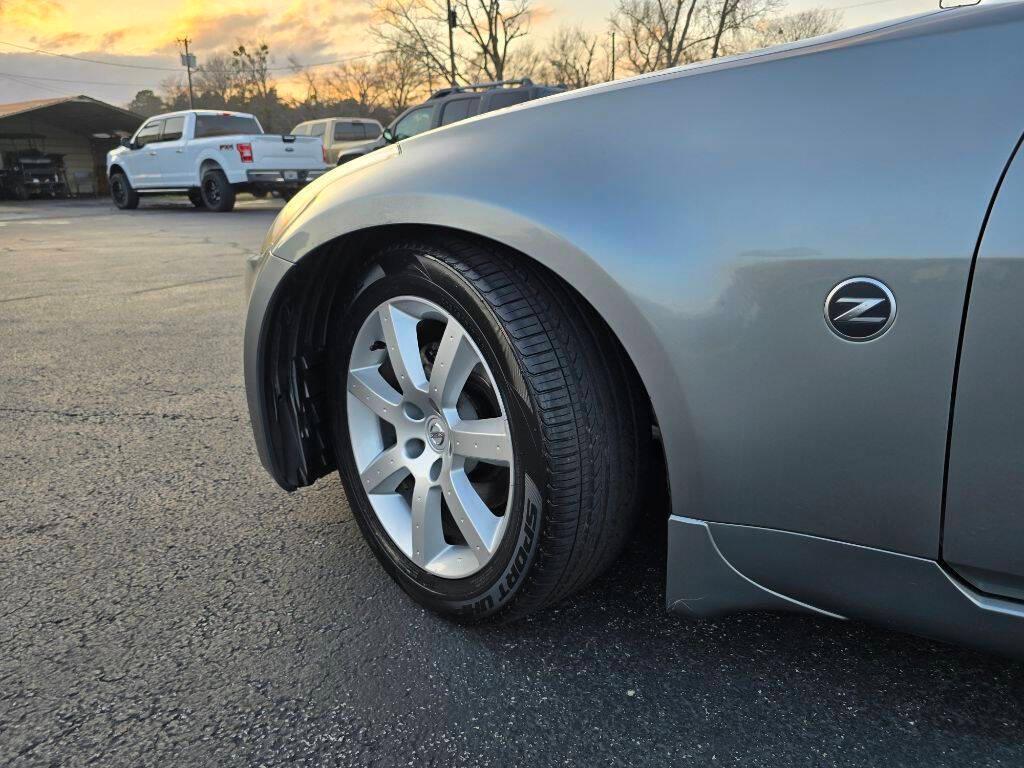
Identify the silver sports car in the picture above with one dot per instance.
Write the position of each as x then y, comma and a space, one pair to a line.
793, 302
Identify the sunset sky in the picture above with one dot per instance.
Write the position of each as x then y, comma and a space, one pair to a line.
143, 35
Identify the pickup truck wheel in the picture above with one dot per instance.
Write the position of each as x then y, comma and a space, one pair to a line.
489, 434
217, 192
122, 193
196, 198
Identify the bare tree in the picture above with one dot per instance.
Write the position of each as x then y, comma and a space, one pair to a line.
795, 26
400, 79
731, 18
358, 81
215, 81
492, 27
253, 85
417, 29
484, 41
656, 34
571, 57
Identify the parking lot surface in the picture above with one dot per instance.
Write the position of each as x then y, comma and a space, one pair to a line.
165, 604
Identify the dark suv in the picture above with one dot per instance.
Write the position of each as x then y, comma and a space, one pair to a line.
451, 105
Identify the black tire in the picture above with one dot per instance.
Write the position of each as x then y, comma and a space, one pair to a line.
217, 193
580, 426
288, 194
195, 197
21, 192
259, 193
122, 193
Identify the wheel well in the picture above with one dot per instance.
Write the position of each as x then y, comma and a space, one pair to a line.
209, 165
295, 368
115, 169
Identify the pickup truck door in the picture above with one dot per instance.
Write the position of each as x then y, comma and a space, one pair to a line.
984, 522
141, 161
171, 161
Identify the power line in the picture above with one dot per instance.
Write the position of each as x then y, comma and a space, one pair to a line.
354, 57
77, 82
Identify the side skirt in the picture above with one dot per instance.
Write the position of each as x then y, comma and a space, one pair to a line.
716, 569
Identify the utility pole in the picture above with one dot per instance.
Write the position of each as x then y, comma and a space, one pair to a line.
453, 22
613, 54
189, 61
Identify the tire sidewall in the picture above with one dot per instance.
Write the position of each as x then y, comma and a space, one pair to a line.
422, 272
120, 182
224, 188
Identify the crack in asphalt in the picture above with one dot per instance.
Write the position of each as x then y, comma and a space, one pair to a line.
85, 415
183, 285
25, 298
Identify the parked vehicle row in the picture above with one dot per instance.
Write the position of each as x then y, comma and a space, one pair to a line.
211, 156
451, 105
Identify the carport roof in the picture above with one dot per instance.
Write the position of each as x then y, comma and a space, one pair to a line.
78, 113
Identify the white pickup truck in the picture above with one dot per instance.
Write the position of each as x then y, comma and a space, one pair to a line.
209, 156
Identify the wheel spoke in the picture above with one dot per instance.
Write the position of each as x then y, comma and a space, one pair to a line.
484, 439
403, 349
476, 522
427, 534
453, 364
370, 388
384, 473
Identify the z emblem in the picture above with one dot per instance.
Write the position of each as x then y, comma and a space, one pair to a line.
860, 309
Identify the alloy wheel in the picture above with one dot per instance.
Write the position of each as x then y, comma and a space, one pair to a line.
430, 436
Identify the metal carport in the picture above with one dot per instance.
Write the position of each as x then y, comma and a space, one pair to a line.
81, 128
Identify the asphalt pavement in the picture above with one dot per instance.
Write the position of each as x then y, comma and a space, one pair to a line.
163, 603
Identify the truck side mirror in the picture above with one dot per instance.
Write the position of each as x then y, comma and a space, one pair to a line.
389, 137
126, 142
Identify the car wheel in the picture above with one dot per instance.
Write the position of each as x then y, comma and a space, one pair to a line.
259, 193
288, 194
217, 193
123, 194
21, 192
487, 428
195, 196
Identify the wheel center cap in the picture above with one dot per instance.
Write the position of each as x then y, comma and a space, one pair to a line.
437, 435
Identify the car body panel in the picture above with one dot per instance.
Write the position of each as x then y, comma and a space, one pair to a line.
984, 525
768, 418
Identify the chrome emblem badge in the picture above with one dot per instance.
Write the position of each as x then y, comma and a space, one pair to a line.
860, 309
436, 434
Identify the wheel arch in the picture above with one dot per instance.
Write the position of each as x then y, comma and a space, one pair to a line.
209, 164
292, 367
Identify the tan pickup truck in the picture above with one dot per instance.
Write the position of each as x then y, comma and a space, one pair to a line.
340, 133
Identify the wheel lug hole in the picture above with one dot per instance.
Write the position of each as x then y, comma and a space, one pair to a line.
412, 411
414, 448
435, 470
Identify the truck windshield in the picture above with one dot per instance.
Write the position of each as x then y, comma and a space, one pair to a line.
225, 125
